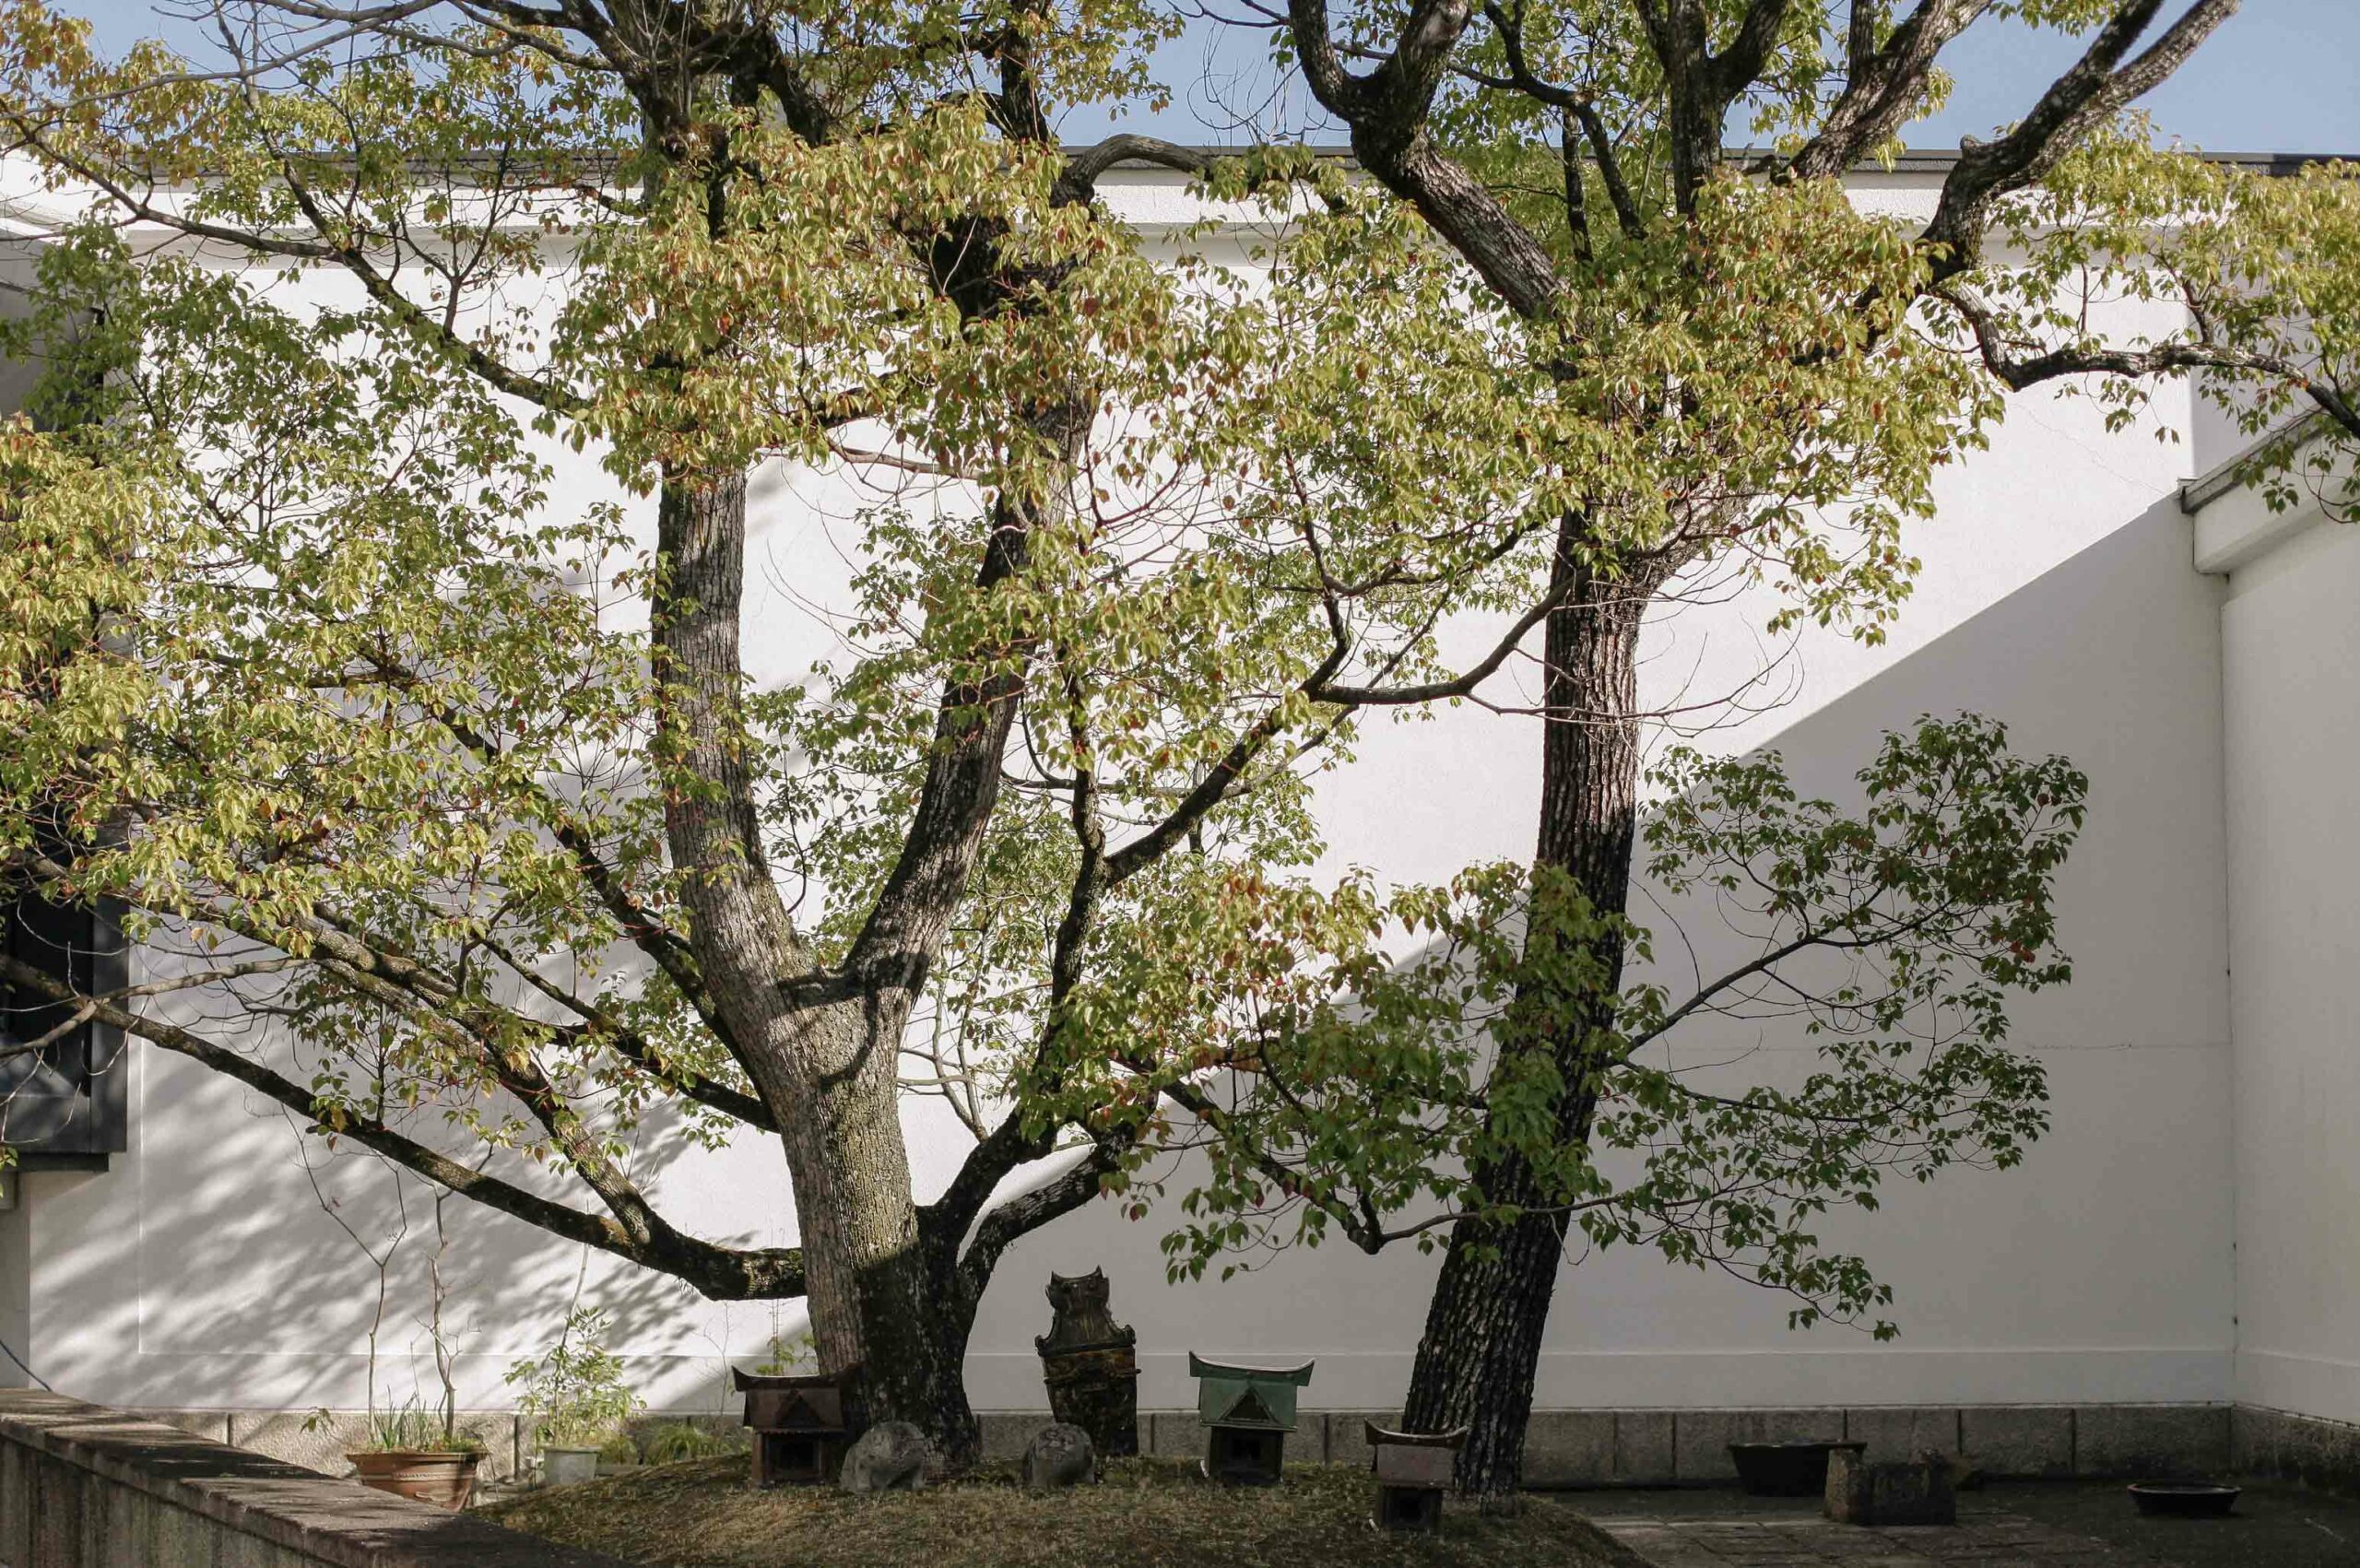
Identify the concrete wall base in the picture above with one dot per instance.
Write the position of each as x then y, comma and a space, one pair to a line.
2287, 1446
1642, 1447
1585, 1448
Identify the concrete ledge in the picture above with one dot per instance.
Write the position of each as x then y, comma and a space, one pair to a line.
86, 1487
2309, 1450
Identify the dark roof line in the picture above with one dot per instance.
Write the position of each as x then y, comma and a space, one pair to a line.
1909, 160
2232, 471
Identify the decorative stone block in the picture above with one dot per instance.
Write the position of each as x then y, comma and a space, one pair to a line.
801, 1424
1059, 1455
2151, 1439
1413, 1470
1569, 1448
1246, 1412
1700, 1438
1911, 1492
1902, 1431
1644, 1450
2018, 1440
889, 1457
1090, 1365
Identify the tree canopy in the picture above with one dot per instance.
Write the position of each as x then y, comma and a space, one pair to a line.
319, 665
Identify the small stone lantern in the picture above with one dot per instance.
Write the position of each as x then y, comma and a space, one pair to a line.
1412, 1470
1246, 1412
1090, 1364
800, 1425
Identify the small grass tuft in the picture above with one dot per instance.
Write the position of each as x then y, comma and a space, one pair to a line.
1146, 1514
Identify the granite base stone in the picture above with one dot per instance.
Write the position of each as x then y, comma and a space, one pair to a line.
1645, 1450
1175, 1435
1007, 1433
320, 1443
2308, 1450
1898, 1432
1347, 1435
1567, 1448
211, 1425
2019, 1441
1700, 1438
2132, 1441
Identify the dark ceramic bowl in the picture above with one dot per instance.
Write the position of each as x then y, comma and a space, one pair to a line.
2185, 1500
1784, 1469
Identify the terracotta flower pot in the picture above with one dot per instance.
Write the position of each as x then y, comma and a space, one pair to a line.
445, 1480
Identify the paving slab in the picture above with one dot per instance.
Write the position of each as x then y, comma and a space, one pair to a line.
2071, 1524
1990, 1540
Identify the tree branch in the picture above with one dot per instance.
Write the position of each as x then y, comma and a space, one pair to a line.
1881, 84
2020, 370
2092, 91
719, 1273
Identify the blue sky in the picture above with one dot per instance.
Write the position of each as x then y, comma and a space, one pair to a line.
2282, 76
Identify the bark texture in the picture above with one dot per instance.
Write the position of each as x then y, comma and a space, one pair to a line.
1482, 1345
825, 1062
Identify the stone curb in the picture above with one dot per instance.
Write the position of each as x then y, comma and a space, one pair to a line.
240, 1493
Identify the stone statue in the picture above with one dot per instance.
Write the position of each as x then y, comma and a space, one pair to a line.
889, 1457
1090, 1364
1059, 1455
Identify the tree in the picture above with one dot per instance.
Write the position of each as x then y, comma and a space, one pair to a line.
1695, 365
303, 670
306, 673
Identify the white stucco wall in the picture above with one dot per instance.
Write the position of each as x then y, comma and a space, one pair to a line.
2290, 650
2058, 594
2099, 1270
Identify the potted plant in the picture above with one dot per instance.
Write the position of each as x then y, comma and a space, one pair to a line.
574, 1399
410, 1454
409, 1451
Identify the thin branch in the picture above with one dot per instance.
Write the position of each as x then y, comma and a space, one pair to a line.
721, 1273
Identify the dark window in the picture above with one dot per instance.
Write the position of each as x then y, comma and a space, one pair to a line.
62, 1103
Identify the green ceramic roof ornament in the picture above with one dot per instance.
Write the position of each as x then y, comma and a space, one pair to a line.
1258, 1397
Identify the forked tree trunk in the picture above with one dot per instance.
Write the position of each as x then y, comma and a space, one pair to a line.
1481, 1347
827, 1068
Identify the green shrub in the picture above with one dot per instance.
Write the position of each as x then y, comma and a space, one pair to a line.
576, 1396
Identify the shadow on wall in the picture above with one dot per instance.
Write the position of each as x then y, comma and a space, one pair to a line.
201, 1271
204, 1271
2098, 1271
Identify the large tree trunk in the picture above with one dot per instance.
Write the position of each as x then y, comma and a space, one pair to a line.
828, 1067
874, 1302
1481, 1347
